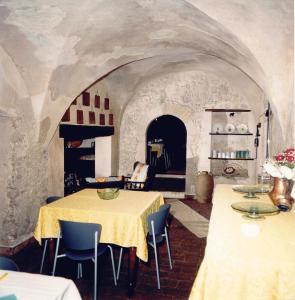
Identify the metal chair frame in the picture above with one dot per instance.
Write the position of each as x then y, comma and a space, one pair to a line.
49, 200
157, 223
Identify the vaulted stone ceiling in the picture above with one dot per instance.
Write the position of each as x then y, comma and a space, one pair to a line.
52, 50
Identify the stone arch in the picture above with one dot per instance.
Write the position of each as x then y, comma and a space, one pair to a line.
136, 147
183, 95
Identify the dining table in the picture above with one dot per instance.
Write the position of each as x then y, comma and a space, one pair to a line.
123, 220
247, 256
28, 286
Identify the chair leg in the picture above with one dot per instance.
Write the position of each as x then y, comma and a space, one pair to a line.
156, 255
79, 272
119, 263
55, 257
95, 266
168, 248
43, 255
113, 264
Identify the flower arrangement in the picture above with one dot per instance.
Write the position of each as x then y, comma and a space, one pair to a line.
283, 165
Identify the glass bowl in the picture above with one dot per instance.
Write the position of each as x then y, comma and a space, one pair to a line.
255, 210
108, 193
250, 191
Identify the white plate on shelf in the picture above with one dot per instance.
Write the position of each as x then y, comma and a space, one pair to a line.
242, 128
217, 128
230, 128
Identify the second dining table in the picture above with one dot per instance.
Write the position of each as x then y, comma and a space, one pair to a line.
123, 220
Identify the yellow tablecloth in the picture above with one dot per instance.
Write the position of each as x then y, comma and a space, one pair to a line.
123, 219
239, 265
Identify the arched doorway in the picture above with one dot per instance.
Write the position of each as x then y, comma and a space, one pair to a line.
166, 145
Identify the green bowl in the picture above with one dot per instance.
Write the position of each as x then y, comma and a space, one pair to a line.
108, 193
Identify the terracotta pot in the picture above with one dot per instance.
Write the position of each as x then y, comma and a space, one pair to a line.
280, 194
204, 187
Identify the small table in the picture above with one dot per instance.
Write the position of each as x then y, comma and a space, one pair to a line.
123, 220
246, 259
35, 287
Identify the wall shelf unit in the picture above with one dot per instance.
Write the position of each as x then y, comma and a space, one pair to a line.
219, 158
227, 110
230, 155
223, 133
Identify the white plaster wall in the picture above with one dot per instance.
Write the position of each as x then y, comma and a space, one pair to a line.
98, 88
184, 95
23, 161
54, 51
103, 156
267, 29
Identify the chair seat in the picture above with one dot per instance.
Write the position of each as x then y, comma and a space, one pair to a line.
86, 254
159, 239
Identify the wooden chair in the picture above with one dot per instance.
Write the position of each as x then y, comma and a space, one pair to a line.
141, 178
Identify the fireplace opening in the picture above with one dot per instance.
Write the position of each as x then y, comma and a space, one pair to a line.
166, 145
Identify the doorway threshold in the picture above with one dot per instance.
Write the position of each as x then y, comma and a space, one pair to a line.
173, 195
170, 175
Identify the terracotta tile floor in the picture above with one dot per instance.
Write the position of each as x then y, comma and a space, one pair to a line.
187, 254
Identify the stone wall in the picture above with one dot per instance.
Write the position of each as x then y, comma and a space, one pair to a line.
184, 95
24, 183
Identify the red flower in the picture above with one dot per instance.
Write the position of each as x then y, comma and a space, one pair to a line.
279, 157
290, 158
290, 152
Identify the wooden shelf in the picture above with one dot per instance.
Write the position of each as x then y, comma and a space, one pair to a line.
224, 133
217, 158
79, 151
227, 110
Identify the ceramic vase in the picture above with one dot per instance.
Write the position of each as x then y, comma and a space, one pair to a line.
204, 187
280, 194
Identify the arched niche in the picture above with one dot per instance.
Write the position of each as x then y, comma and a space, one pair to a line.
166, 138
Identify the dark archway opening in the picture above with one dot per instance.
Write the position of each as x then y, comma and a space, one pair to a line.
166, 145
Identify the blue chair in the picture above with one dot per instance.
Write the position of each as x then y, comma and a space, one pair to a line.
81, 243
8, 264
49, 200
157, 232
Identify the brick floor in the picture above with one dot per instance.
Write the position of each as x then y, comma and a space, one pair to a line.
187, 253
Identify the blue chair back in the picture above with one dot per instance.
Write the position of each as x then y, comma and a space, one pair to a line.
8, 264
79, 236
166, 208
52, 199
159, 219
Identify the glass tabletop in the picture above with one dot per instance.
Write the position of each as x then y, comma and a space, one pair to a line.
255, 210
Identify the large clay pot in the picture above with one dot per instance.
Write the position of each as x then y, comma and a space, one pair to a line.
280, 194
204, 187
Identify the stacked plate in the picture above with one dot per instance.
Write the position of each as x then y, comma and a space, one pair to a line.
242, 128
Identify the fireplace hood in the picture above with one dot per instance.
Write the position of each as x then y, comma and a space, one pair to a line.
81, 132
